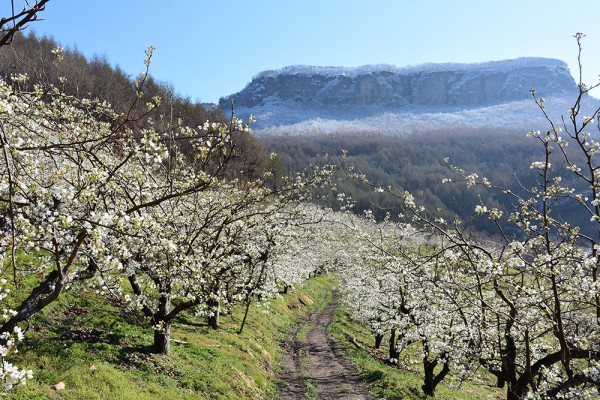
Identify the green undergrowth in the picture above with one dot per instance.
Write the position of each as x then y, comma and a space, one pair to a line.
391, 382
100, 352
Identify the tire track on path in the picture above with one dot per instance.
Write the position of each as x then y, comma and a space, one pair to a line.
317, 367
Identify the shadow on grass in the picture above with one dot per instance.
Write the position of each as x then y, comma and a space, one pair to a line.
184, 320
373, 376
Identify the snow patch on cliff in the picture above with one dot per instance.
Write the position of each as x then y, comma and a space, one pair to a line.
281, 119
488, 66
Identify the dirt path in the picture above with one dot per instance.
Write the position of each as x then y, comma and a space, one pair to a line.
315, 365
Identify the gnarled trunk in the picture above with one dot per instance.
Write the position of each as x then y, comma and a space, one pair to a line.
431, 380
51, 287
161, 339
162, 333
45, 293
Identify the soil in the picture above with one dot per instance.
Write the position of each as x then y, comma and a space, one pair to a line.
318, 367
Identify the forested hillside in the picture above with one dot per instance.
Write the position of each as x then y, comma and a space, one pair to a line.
94, 78
420, 163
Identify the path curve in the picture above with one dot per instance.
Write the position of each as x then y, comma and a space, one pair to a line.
319, 363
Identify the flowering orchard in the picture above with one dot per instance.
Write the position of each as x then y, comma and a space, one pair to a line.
524, 307
209, 251
139, 209
75, 179
148, 212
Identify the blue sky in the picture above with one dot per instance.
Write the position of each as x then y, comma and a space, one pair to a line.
209, 49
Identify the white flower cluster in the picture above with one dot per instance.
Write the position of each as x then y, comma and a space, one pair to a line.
11, 374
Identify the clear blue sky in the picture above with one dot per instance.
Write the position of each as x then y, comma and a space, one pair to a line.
209, 49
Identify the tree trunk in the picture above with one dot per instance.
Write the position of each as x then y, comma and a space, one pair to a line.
509, 368
248, 302
428, 379
50, 288
393, 350
163, 333
378, 340
431, 380
518, 388
45, 293
161, 339
515, 392
215, 308
500, 382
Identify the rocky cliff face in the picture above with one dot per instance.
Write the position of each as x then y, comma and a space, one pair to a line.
458, 85
384, 99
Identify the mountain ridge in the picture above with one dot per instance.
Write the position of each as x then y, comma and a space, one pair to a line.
425, 67
392, 98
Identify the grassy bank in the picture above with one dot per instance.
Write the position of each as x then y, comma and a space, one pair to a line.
101, 353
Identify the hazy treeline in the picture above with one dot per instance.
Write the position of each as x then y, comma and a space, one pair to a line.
416, 163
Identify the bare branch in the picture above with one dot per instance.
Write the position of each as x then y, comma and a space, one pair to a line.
19, 21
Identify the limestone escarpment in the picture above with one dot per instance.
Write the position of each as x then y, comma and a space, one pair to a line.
304, 100
468, 85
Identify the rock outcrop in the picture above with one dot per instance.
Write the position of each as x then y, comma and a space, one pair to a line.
303, 100
460, 85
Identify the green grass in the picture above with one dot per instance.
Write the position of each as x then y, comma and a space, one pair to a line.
100, 352
390, 382
311, 392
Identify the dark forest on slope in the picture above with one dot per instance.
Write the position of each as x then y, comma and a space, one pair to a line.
94, 78
415, 163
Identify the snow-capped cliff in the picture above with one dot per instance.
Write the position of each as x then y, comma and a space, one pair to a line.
388, 97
